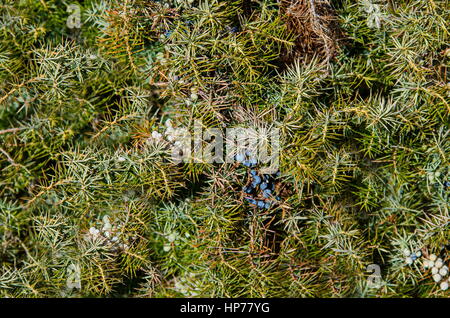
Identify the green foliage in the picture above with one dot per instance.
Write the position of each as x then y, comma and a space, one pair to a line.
86, 190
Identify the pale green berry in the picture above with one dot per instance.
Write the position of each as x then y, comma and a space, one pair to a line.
156, 135
94, 231
172, 237
443, 271
437, 278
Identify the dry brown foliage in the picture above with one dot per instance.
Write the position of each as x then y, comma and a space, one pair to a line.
314, 24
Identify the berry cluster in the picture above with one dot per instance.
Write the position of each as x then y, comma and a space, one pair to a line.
438, 269
169, 137
411, 257
435, 177
260, 188
109, 235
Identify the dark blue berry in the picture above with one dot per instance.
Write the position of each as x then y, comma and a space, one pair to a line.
263, 186
247, 189
268, 204
267, 193
257, 179
251, 201
253, 172
261, 204
253, 162
277, 198
447, 184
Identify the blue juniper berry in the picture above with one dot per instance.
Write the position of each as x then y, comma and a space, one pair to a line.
247, 163
265, 182
267, 193
261, 204
257, 179
248, 190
